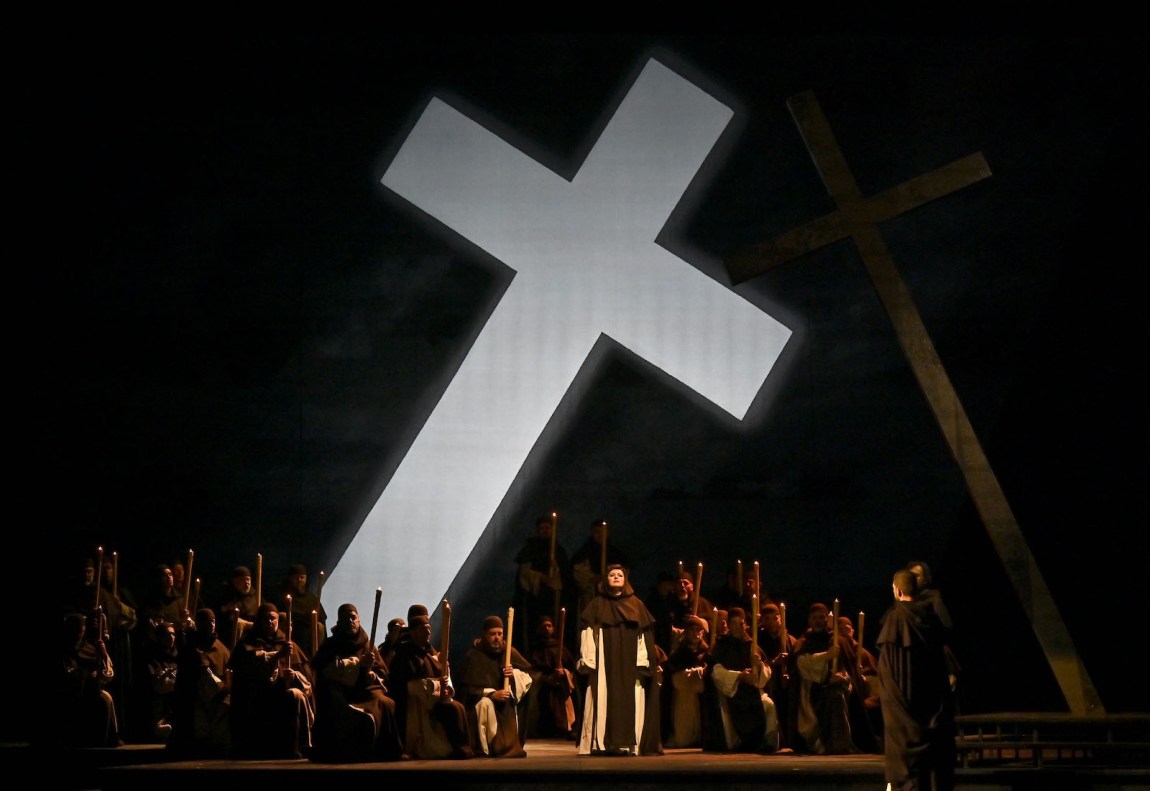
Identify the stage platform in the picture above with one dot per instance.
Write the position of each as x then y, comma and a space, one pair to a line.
548, 765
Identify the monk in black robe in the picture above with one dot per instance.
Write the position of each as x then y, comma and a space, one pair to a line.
88, 714
354, 717
917, 700
432, 722
272, 708
542, 584
619, 656
741, 715
201, 708
552, 668
492, 692
301, 603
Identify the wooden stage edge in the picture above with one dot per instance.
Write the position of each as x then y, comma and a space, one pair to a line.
550, 764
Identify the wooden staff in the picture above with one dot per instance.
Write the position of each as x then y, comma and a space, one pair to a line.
188, 580
445, 646
562, 629
739, 577
259, 579
507, 646
99, 573
698, 587
115, 573
554, 532
859, 637
289, 617
375, 616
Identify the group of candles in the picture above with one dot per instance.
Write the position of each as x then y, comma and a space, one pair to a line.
755, 605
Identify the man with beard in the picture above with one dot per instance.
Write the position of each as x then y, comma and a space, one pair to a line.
433, 723
354, 717
777, 646
681, 606
88, 712
201, 707
685, 668
272, 709
494, 680
863, 702
820, 687
917, 700
301, 604
552, 664
239, 603
619, 656
742, 715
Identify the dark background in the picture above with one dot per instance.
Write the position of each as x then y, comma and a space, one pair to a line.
235, 332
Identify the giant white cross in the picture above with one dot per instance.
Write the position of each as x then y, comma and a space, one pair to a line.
586, 264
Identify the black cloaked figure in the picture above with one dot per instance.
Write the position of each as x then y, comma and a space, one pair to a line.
619, 656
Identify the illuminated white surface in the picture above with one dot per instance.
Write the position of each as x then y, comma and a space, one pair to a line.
586, 264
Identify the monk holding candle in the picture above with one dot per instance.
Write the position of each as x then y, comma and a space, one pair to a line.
819, 710
543, 582
238, 605
302, 603
589, 561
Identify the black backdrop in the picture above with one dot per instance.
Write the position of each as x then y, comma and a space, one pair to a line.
236, 332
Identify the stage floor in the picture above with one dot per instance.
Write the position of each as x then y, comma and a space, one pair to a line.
550, 764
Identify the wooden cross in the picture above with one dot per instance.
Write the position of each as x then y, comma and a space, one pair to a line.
857, 217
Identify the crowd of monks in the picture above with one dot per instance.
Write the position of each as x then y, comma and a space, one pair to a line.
257, 673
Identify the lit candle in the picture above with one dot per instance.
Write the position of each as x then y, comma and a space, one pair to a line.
603, 559
754, 628
739, 577
554, 533
99, 573
698, 587
259, 579
115, 573
507, 646
836, 628
375, 615
188, 604
445, 636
